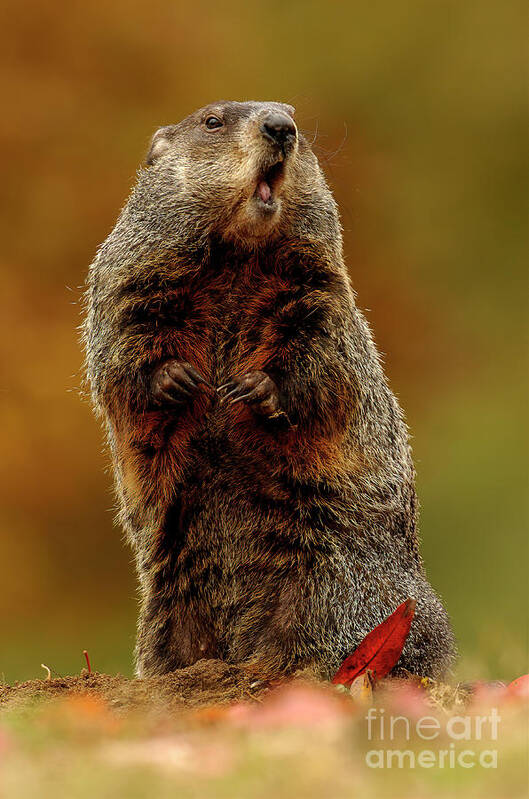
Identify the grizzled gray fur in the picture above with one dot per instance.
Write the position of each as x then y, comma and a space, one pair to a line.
262, 464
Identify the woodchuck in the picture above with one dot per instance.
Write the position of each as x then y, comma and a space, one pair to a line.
261, 462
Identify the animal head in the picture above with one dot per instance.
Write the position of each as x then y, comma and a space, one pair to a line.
239, 171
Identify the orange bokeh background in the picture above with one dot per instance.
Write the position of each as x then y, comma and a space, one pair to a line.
419, 116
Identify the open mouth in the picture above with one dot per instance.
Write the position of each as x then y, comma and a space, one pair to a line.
269, 183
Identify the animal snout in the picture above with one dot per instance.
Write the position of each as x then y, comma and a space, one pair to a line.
279, 129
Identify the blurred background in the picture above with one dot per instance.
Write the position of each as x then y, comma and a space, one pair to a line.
420, 117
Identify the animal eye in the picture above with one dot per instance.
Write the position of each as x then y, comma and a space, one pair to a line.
213, 122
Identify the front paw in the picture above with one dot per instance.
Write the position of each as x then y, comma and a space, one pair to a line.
174, 383
255, 389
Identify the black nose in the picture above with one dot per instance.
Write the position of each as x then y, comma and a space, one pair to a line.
278, 128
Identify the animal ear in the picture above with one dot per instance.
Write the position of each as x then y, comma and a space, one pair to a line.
160, 142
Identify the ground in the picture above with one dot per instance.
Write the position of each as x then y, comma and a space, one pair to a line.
215, 730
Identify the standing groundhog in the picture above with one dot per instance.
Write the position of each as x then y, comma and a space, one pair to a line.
262, 464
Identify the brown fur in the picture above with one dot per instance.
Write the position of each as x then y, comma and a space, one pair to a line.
276, 532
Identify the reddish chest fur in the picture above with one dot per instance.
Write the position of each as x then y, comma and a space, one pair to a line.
224, 323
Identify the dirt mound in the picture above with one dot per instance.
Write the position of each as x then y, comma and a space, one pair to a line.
207, 682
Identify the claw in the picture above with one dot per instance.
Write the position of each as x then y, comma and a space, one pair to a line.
245, 397
231, 393
187, 381
192, 372
179, 388
163, 395
225, 386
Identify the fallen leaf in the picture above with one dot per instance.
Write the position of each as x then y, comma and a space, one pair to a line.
361, 688
292, 705
84, 712
212, 714
486, 694
405, 698
380, 649
519, 687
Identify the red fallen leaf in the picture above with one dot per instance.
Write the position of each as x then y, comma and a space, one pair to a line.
519, 687
405, 698
380, 649
292, 705
486, 694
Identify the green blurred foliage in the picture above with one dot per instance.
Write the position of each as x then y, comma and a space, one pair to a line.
419, 116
